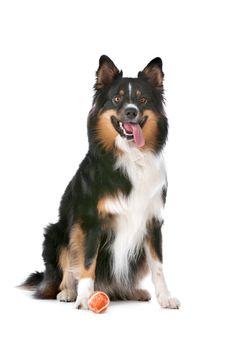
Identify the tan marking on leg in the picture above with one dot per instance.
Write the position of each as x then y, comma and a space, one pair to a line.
152, 249
77, 255
68, 281
84, 275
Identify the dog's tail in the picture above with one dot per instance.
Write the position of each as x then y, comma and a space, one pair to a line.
44, 284
47, 284
33, 280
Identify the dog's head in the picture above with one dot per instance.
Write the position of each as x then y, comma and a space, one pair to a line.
128, 109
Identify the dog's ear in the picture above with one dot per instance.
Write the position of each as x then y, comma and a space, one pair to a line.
106, 73
153, 73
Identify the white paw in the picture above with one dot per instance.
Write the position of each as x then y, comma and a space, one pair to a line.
81, 302
67, 295
85, 289
168, 302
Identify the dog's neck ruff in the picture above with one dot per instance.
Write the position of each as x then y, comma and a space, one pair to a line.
147, 175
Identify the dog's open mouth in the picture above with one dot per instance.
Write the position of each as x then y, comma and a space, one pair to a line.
130, 131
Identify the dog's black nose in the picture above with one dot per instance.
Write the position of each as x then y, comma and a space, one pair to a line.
131, 113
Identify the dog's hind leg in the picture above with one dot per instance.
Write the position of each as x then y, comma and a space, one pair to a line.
138, 295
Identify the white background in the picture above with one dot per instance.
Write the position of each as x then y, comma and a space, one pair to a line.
49, 55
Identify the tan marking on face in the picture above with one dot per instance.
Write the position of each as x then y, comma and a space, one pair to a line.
77, 253
150, 129
138, 93
121, 92
106, 132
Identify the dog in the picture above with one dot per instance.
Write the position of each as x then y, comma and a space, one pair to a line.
108, 236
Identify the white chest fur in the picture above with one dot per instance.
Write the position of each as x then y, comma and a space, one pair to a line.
147, 174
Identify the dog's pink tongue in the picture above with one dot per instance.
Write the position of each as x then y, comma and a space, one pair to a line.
137, 133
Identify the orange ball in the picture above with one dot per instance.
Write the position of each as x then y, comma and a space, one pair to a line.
98, 302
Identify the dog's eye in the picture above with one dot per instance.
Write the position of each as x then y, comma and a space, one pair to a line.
117, 99
143, 100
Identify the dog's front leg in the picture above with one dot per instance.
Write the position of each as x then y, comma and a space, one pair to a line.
153, 249
84, 246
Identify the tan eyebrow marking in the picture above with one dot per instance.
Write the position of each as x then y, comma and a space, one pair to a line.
138, 93
121, 92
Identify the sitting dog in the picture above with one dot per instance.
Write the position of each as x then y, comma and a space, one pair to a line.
108, 235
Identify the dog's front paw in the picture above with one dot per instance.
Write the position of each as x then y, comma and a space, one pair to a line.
81, 302
85, 289
168, 302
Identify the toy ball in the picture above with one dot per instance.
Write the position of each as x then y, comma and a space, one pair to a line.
98, 302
